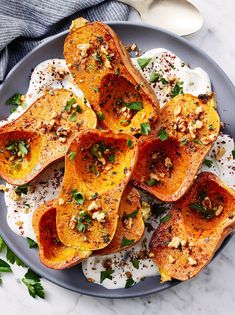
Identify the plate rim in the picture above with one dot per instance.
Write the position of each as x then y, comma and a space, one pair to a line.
51, 278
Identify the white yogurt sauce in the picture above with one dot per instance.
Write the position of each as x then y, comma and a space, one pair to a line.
20, 212
171, 70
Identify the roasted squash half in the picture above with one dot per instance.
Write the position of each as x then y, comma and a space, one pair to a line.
101, 66
98, 166
42, 135
52, 252
130, 227
198, 223
171, 155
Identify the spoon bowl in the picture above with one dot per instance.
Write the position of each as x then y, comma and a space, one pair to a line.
178, 16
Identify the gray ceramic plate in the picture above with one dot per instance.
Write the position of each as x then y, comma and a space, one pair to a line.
146, 37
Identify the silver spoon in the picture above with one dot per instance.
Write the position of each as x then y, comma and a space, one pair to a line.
179, 16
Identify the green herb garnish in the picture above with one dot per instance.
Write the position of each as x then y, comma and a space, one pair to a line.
133, 214
106, 274
152, 182
14, 100
126, 242
184, 141
129, 283
12, 258
162, 135
31, 243
208, 162
154, 77
165, 219
69, 104
4, 266
33, 283
78, 197
177, 89
233, 153
22, 189
164, 81
111, 158
145, 128
135, 262
143, 62
73, 117
129, 143
72, 155
101, 116
134, 105
84, 222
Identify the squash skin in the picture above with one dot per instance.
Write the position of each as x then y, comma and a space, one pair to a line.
105, 87
109, 186
130, 202
202, 237
186, 158
45, 146
53, 254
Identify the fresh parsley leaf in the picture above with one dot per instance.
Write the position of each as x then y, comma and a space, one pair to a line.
129, 143
184, 141
197, 141
23, 149
211, 127
233, 153
72, 155
135, 262
73, 117
111, 158
198, 207
143, 62
208, 162
106, 274
164, 81
84, 222
126, 242
133, 214
2, 244
96, 90
101, 116
4, 266
12, 258
145, 128
78, 196
31, 243
129, 283
165, 219
78, 109
33, 283
177, 89
162, 134
154, 77
151, 182
22, 189
71, 102
14, 100
134, 105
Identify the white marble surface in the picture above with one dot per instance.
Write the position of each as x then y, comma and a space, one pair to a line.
212, 292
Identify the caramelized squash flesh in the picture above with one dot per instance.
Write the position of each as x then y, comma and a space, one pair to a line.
130, 227
52, 252
102, 68
41, 135
175, 149
198, 224
93, 184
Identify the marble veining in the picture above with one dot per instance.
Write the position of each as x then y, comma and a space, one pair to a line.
212, 292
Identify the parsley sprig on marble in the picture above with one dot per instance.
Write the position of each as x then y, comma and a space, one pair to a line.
30, 279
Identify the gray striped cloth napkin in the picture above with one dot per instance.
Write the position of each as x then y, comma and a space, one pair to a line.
26, 23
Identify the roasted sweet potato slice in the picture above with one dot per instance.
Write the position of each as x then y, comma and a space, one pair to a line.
41, 135
52, 252
198, 223
98, 166
171, 155
130, 227
102, 68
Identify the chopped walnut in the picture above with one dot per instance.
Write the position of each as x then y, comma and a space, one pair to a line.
128, 274
151, 255
61, 201
192, 261
207, 203
168, 162
171, 259
220, 153
4, 188
219, 210
209, 139
177, 110
175, 242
